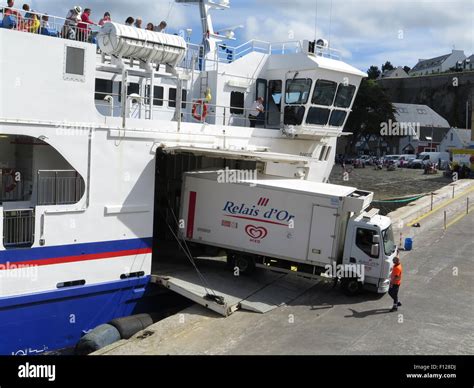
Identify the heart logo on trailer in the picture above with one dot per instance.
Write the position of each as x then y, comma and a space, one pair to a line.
256, 233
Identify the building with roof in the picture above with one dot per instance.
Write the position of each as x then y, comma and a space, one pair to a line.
456, 138
438, 64
398, 72
428, 128
468, 63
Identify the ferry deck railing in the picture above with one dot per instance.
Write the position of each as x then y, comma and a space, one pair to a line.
44, 24
18, 228
59, 187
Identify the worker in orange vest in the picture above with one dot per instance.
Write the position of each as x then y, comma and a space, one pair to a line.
395, 281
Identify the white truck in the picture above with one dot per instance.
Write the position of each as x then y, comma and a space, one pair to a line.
290, 225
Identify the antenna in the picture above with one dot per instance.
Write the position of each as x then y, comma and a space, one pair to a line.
316, 21
330, 24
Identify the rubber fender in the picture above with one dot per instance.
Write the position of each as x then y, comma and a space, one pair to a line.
128, 326
96, 339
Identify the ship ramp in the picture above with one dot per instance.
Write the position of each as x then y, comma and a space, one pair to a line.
216, 287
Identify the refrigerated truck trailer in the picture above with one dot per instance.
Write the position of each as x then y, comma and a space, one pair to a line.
290, 225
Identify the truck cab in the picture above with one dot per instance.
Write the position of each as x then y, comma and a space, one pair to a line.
369, 244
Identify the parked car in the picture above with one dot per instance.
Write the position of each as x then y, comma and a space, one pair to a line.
404, 160
388, 158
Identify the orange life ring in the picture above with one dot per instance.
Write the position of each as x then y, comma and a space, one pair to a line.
196, 115
12, 186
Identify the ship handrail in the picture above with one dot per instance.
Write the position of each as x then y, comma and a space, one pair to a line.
57, 26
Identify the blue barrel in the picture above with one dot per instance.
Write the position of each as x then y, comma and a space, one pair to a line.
408, 244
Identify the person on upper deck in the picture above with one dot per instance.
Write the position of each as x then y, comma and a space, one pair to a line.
105, 19
138, 22
11, 17
161, 27
129, 21
73, 18
45, 21
34, 23
256, 112
26, 8
83, 26
150, 27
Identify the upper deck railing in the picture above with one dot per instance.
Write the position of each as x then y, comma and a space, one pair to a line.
48, 25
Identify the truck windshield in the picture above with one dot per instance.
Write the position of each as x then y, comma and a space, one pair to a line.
388, 244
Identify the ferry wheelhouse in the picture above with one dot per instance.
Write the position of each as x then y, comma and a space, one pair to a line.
95, 134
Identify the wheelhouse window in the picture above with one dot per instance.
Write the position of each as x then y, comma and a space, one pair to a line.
344, 96
158, 93
274, 91
103, 87
237, 103
317, 116
324, 92
294, 115
297, 90
337, 118
172, 98
132, 88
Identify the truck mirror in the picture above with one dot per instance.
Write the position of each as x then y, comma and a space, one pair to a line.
374, 251
376, 239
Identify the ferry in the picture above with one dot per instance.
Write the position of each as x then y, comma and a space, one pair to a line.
97, 128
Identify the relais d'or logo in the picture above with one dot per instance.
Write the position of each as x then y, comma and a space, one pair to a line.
260, 212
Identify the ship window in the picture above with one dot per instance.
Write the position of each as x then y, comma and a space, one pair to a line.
344, 96
75, 60
237, 103
337, 118
318, 116
274, 91
294, 115
297, 90
172, 98
323, 152
324, 92
103, 87
132, 88
157, 95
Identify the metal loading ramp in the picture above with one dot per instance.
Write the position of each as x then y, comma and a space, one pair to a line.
260, 292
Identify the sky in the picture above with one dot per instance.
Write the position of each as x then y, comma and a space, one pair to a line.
367, 32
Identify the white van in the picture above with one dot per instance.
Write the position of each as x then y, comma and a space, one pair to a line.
433, 157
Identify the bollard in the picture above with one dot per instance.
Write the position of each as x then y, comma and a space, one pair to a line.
431, 201
445, 220
467, 205
453, 191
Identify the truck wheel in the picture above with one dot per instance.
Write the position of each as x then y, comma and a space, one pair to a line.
351, 287
246, 264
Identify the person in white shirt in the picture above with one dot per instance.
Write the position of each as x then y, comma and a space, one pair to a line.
256, 111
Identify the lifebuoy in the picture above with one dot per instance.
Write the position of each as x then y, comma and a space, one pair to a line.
203, 114
11, 173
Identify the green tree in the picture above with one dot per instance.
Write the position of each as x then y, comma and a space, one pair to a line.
373, 72
387, 66
406, 68
371, 108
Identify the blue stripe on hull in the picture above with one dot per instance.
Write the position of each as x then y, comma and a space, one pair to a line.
34, 323
16, 255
